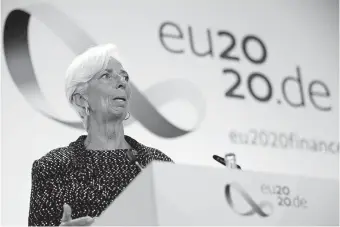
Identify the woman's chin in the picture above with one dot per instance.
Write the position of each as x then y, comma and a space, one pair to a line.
118, 112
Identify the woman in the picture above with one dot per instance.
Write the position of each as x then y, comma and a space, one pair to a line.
72, 185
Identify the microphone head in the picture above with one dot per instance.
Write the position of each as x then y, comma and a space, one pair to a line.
219, 159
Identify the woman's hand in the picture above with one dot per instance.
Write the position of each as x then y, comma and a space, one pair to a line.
67, 219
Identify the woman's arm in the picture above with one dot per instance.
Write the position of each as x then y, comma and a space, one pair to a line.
44, 205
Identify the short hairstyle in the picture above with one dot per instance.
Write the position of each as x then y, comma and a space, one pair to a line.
83, 68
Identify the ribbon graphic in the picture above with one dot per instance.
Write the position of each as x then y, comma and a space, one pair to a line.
143, 107
255, 208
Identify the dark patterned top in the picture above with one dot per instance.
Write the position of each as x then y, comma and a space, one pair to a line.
87, 180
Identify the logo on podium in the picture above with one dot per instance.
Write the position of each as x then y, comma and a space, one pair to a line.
263, 209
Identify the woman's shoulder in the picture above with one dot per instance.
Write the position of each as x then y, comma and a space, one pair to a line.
53, 162
157, 154
154, 152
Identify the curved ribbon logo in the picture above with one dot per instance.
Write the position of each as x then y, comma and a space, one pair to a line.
143, 106
254, 208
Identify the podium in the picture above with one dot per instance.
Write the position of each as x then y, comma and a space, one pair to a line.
176, 194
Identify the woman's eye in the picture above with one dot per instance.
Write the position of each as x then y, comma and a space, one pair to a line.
105, 76
125, 76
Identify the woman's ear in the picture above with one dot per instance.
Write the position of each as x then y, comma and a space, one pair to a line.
81, 101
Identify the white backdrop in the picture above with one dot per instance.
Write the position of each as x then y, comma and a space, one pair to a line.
298, 37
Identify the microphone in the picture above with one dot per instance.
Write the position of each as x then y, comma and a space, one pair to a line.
222, 161
133, 159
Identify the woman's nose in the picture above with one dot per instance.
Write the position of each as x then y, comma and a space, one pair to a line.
121, 83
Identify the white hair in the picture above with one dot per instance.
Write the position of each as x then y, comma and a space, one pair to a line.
83, 68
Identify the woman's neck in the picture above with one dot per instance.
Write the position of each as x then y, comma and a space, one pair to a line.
107, 136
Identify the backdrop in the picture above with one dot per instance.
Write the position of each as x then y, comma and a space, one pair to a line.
257, 78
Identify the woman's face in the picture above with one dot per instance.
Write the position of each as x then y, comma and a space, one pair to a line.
109, 92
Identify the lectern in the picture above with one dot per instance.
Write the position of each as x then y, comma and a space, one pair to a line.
176, 194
